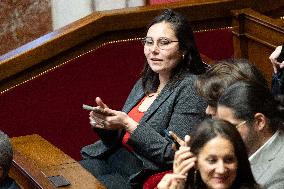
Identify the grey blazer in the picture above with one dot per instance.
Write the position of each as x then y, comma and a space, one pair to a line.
268, 165
178, 108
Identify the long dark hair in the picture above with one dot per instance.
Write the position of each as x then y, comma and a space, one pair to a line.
191, 61
210, 129
247, 98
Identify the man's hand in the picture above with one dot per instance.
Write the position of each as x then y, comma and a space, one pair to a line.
277, 65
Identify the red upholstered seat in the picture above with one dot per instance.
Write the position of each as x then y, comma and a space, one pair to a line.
51, 104
217, 44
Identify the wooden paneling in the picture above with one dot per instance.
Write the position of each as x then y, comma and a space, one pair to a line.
256, 36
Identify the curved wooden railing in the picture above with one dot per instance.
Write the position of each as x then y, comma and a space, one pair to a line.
99, 27
255, 36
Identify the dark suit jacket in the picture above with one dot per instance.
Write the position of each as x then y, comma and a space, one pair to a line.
178, 108
9, 183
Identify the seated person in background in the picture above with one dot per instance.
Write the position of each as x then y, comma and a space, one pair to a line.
252, 109
133, 144
211, 84
216, 159
6, 157
277, 60
218, 77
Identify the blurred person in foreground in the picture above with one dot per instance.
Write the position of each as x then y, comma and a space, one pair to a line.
216, 159
6, 157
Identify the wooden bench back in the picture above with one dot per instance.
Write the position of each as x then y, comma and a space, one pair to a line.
35, 159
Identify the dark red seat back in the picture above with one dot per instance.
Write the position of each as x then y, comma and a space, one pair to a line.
51, 104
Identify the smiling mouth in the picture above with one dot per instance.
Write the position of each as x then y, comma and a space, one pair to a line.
156, 59
220, 179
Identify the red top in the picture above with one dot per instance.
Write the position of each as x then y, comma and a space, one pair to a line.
136, 115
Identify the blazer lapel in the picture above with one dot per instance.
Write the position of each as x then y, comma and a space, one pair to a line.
136, 98
261, 163
162, 97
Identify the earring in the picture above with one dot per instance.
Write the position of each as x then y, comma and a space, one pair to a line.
195, 179
183, 56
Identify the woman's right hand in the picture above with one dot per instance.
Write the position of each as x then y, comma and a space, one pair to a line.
184, 159
96, 120
172, 181
181, 142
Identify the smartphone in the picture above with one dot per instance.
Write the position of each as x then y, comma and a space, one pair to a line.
170, 138
95, 109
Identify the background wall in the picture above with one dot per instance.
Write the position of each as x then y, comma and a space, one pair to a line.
67, 11
22, 21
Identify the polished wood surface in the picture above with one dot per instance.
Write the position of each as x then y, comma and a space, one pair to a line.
35, 159
255, 37
73, 40
27, 174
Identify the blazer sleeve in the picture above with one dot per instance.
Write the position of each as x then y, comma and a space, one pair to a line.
180, 113
277, 181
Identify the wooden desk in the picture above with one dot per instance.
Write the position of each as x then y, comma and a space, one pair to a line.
35, 159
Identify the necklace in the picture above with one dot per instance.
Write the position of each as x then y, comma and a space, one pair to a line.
156, 93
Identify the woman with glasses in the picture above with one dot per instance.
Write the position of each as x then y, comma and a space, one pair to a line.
133, 141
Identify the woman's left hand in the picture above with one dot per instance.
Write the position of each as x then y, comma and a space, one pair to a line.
111, 119
114, 120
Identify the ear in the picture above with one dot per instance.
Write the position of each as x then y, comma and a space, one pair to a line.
260, 121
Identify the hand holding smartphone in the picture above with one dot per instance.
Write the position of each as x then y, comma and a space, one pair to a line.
171, 138
95, 109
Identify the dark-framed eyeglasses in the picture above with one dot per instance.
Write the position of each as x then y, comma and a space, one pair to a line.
163, 43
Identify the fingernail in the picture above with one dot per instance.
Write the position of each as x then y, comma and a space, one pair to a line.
187, 137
